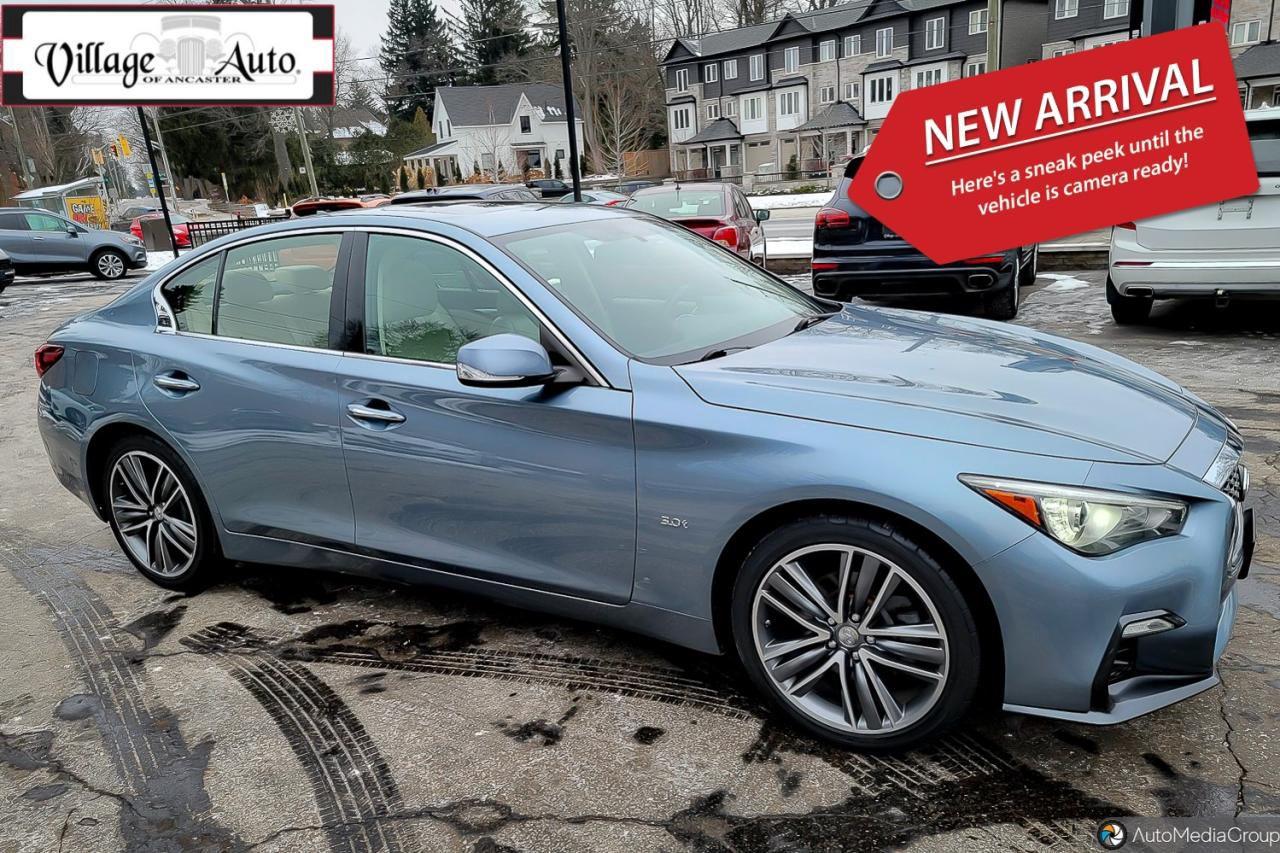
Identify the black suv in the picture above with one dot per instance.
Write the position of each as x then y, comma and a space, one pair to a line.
854, 255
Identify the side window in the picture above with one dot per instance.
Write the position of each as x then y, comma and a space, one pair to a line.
12, 222
44, 222
278, 291
423, 300
190, 296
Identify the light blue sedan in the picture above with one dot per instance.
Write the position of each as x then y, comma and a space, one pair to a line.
887, 516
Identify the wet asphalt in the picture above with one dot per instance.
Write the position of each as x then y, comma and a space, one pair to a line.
293, 711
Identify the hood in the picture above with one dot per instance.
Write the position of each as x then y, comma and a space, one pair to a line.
957, 379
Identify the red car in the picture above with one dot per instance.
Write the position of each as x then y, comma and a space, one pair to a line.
719, 212
179, 227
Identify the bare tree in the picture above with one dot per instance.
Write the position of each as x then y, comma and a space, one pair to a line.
492, 140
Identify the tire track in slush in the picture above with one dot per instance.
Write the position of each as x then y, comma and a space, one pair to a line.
916, 782
350, 780
166, 801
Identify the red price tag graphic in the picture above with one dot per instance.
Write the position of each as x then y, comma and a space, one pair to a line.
1053, 148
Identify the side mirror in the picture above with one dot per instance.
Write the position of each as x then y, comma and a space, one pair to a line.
71, 229
504, 361
762, 215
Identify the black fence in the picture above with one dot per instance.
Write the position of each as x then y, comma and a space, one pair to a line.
203, 232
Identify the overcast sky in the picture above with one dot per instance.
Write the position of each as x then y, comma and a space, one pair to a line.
365, 21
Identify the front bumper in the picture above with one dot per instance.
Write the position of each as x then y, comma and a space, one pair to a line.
137, 257
1165, 273
1061, 614
911, 275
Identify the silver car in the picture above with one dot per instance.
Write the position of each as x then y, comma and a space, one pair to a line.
38, 241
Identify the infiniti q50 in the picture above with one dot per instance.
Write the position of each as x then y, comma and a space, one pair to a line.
886, 516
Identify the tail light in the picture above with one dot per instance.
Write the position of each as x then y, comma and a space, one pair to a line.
823, 266
727, 237
615, 201
1127, 226
984, 260
47, 356
832, 217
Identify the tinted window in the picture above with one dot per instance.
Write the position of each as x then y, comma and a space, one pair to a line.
660, 291
190, 296
12, 222
678, 201
44, 222
424, 300
278, 291
1265, 139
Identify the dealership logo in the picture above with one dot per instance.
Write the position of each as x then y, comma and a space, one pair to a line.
1112, 835
137, 55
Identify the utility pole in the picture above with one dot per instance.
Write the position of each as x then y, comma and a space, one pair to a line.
164, 157
566, 74
306, 151
995, 23
155, 170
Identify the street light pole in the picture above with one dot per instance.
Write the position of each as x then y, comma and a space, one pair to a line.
155, 170
306, 151
566, 74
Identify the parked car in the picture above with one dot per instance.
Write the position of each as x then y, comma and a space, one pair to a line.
6, 271
468, 192
629, 187
312, 206
549, 187
181, 233
594, 412
605, 197
38, 241
124, 221
854, 254
1219, 251
719, 212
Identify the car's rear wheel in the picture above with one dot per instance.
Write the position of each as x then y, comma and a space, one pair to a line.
1027, 273
157, 513
1127, 310
109, 264
856, 632
1004, 303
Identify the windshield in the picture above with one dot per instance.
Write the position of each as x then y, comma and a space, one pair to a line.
659, 292
679, 201
1264, 137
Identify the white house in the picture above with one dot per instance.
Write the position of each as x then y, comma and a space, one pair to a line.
511, 127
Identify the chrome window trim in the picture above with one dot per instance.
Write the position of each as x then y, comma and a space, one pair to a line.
164, 310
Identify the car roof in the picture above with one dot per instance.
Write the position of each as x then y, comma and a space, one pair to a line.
700, 185
489, 218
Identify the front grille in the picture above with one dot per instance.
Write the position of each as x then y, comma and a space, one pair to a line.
1236, 484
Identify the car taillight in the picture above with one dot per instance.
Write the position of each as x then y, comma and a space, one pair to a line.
727, 237
47, 356
984, 260
832, 217
823, 266
1127, 226
615, 201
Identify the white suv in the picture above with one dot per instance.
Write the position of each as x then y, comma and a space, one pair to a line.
1219, 250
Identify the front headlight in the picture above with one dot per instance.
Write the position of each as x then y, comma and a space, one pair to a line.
129, 238
1091, 521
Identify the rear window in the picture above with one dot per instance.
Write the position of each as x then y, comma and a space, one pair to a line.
678, 201
1264, 138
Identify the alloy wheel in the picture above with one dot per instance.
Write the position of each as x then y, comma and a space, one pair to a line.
850, 640
110, 265
153, 513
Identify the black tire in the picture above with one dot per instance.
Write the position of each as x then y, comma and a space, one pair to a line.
1027, 274
206, 556
1127, 310
1004, 303
113, 271
883, 538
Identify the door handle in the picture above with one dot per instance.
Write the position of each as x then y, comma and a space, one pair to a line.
175, 382
36, 237
361, 412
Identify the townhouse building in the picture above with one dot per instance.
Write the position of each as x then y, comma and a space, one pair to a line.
809, 89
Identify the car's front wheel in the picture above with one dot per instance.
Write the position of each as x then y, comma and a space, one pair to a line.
109, 264
856, 632
1127, 310
157, 513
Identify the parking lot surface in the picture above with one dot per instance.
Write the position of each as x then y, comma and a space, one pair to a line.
293, 711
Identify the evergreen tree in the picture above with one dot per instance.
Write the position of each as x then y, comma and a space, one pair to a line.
496, 33
418, 54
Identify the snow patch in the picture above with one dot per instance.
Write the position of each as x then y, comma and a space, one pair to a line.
797, 248
777, 202
1062, 282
